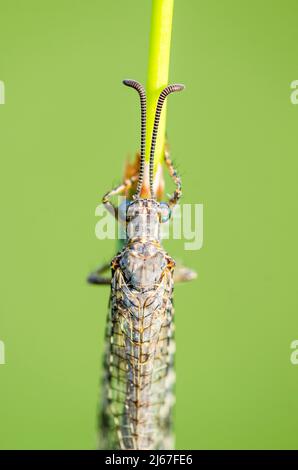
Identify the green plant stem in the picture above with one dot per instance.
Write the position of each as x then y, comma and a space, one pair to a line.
158, 70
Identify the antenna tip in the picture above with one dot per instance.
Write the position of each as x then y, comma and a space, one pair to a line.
179, 87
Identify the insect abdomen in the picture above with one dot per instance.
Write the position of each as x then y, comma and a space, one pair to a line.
140, 361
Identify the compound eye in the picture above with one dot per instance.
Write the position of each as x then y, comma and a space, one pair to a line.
122, 210
165, 212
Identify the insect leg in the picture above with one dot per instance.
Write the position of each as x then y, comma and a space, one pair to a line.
97, 278
117, 191
181, 273
175, 177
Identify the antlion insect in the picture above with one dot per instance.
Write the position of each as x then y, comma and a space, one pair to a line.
139, 376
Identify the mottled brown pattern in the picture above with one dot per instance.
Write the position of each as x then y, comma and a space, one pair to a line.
138, 397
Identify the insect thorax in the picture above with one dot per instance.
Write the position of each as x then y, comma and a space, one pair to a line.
143, 259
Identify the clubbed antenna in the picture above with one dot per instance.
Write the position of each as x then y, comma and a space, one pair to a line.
140, 89
165, 92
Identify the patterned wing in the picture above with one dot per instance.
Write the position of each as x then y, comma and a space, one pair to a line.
114, 380
139, 377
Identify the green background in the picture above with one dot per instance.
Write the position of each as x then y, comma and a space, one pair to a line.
65, 130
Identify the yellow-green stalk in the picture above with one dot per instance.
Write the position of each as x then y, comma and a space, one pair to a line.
158, 70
